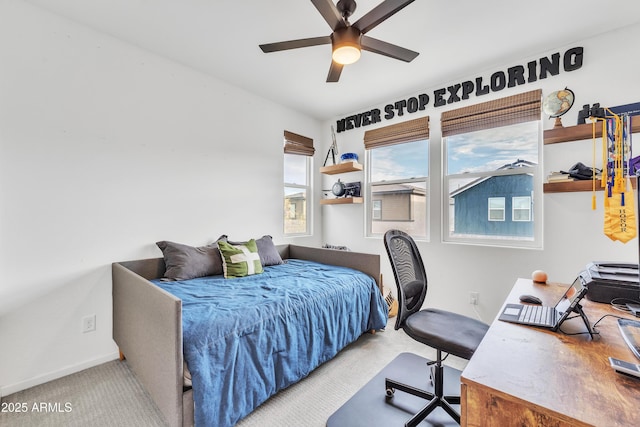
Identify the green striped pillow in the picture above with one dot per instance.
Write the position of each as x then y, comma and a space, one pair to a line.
240, 260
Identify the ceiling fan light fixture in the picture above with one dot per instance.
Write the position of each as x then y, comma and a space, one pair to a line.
346, 46
346, 55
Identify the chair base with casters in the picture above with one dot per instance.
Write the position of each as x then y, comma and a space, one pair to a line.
437, 399
446, 332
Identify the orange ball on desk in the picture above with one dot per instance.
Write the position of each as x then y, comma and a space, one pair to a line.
539, 276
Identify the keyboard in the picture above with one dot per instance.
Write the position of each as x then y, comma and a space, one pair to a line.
537, 315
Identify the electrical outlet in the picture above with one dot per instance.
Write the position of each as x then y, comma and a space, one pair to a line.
473, 298
89, 323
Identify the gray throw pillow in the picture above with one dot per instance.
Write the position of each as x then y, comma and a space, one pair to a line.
187, 262
267, 251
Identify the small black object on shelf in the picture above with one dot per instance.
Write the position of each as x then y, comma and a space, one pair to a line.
590, 111
346, 189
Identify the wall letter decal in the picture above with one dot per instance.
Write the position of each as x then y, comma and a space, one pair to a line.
438, 98
453, 90
550, 66
573, 59
516, 76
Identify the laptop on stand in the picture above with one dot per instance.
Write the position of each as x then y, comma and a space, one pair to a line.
547, 316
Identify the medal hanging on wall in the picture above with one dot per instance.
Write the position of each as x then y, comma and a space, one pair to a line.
619, 211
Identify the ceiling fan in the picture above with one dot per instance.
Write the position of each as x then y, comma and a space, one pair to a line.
348, 39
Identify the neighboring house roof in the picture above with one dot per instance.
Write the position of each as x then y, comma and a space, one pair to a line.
400, 188
517, 164
299, 195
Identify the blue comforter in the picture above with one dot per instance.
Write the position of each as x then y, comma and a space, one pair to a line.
245, 339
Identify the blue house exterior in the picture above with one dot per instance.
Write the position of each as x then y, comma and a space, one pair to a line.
495, 206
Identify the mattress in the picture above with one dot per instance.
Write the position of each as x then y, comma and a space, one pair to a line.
245, 339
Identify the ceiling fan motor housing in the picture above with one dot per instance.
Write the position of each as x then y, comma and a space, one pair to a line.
348, 36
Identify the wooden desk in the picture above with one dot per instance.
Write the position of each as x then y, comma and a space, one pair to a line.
526, 376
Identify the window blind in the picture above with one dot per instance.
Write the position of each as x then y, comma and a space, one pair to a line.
298, 144
409, 131
514, 109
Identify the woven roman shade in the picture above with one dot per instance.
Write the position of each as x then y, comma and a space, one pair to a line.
409, 131
298, 144
514, 109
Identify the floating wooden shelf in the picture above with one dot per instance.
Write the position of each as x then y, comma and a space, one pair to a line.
341, 168
341, 201
575, 186
580, 132
571, 186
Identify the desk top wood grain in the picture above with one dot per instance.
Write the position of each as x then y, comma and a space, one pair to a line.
568, 376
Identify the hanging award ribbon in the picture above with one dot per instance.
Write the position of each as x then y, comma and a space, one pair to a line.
619, 211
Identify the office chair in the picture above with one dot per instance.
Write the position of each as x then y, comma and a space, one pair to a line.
446, 332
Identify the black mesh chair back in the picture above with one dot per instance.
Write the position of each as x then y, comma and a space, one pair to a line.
408, 271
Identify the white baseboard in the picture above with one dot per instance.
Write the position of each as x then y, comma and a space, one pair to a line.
6, 390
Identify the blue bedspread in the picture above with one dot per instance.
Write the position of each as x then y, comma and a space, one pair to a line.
245, 339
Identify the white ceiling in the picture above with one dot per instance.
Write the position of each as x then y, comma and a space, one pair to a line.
455, 39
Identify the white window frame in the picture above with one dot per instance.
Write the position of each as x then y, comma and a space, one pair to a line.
514, 209
307, 188
535, 170
493, 209
376, 209
369, 196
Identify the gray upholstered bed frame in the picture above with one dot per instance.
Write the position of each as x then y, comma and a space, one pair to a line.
147, 323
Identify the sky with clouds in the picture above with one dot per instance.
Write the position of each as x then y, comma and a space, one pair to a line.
488, 150
400, 161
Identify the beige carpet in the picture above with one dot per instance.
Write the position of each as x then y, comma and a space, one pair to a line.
109, 394
106, 395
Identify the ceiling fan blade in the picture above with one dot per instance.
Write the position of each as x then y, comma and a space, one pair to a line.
379, 13
330, 13
387, 49
295, 44
334, 72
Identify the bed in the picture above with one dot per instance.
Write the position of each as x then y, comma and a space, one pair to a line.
253, 347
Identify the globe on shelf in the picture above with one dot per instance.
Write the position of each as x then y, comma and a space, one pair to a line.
558, 103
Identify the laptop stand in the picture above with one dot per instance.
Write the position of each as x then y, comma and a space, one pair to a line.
578, 309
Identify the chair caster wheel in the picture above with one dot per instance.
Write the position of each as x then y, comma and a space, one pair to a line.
389, 393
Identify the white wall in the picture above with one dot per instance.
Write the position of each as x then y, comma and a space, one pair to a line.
573, 233
106, 149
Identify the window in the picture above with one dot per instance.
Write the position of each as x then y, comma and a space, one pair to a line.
496, 208
491, 172
397, 182
376, 209
521, 209
298, 152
